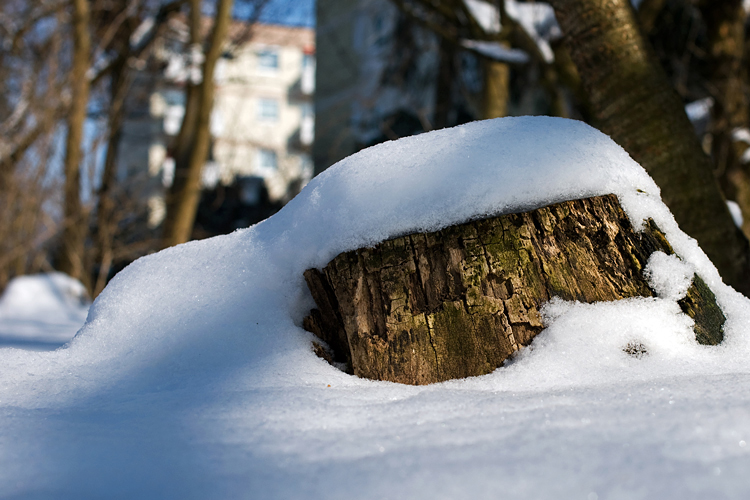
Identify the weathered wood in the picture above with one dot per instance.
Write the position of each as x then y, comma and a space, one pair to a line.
428, 307
700, 304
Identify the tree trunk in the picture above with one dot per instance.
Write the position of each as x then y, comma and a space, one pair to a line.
725, 26
496, 89
648, 11
193, 142
430, 307
74, 224
634, 103
568, 76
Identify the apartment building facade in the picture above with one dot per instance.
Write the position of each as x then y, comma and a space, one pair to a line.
262, 122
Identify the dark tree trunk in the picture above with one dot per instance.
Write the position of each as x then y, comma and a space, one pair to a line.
634, 103
444, 85
648, 11
430, 307
725, 26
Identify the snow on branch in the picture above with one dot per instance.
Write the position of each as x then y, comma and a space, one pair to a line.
497, 51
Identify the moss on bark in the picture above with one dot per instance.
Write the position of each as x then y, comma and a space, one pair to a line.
428, 307
633, 103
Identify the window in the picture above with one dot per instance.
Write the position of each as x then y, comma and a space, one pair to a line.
267, 159
268, 59
268, 110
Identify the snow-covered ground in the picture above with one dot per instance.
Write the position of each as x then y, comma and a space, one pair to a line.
42, 312
193, 379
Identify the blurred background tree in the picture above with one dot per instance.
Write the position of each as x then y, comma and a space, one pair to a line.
130, 125
640, 72
633, 102
82, 115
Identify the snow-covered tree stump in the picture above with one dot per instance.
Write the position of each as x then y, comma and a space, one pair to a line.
429, 307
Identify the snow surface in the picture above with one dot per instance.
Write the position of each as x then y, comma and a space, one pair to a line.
42, 312
193, 379
700, 109
536, 18
736, 212
497, 51
486, 15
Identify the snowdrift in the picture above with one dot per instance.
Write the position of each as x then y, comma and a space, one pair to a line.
42, 311
192, 377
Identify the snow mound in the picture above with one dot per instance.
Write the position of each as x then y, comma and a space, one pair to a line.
192, 377
44, 308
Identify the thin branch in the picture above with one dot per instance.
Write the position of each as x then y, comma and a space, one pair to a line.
137, 49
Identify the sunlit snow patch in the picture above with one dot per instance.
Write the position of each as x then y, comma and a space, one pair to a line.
42, 311
192, 374
221, 298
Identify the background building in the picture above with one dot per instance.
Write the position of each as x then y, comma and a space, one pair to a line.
262, 123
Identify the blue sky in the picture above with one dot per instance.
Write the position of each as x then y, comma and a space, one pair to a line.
288, 12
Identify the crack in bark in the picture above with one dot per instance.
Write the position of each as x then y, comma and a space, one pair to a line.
458, 302
432, 342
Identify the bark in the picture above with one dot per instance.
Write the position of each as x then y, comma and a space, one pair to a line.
725, 26
648, 11
71, 259
430, 307
496, 89
634, 103
194, 139
700, 304
567, 75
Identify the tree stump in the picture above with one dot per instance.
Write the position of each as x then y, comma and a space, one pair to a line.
429, 307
